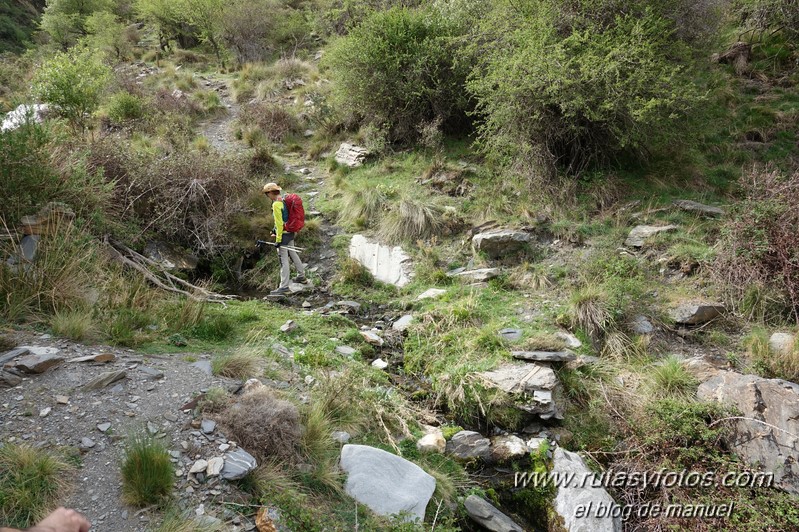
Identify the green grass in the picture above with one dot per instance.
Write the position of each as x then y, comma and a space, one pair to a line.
669, 377
147, 472
76, 324
32, 481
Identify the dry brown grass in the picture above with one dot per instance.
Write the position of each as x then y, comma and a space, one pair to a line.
266, 426
242, 364
412, 219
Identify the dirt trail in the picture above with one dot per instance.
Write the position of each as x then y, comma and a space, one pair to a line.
52, 411
219, 129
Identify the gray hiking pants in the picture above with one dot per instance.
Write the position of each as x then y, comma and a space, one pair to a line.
284, 254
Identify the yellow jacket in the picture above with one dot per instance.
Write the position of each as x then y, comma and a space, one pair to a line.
277, 213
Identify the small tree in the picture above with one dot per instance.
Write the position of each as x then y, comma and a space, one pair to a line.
64, 20
107, 33
73, 82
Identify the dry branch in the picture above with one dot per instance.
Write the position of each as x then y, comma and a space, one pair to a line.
140, 263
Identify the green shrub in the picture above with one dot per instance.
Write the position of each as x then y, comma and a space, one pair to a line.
398, 69
214, 327
147, 471
685, 431
575, 84
73, 82
34, 172
125, 106
31, 482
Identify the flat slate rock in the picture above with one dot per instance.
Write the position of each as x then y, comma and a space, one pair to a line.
573, 495
511, 335
388, 484
152, 372
403, 323
522, 378
544, 356
693, 206
100, 357
639, 234
38, 363
14, 353
345, 350
488, 516
696, 313
469, 445
104, 379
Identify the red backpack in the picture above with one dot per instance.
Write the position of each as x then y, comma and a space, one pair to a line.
293, 213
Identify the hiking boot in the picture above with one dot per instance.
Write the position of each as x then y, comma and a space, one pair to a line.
300, 279
280, 291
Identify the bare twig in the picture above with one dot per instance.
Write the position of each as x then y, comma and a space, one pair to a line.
743, 418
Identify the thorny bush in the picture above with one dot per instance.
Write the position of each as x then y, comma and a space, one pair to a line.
759, 245
186, 198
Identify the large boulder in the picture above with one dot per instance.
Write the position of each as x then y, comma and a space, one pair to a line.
351, 155
781, 343
387, 264
531, 384
498, 243
767, 435
24, 113
696, 313
469, 445
572, 499
385, 482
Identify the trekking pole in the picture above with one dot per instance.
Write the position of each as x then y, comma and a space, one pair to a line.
290, 248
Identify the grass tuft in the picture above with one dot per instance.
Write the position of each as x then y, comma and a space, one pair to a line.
242, 364
73, 324
31, 482
146, 471
412, 219
669, 377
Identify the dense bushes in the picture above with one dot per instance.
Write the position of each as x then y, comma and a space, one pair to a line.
185, 198
397, 71
579, 89
758, 252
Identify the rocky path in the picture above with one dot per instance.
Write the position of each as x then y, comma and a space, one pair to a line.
219, 129
55, 410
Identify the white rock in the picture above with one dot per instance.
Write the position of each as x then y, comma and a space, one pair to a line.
199, 466
387, 264
432, 293
432, 443
44, 411
379, 364
570, 497
215, 465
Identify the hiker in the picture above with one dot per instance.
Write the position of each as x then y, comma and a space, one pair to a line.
60, 520
289, 218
